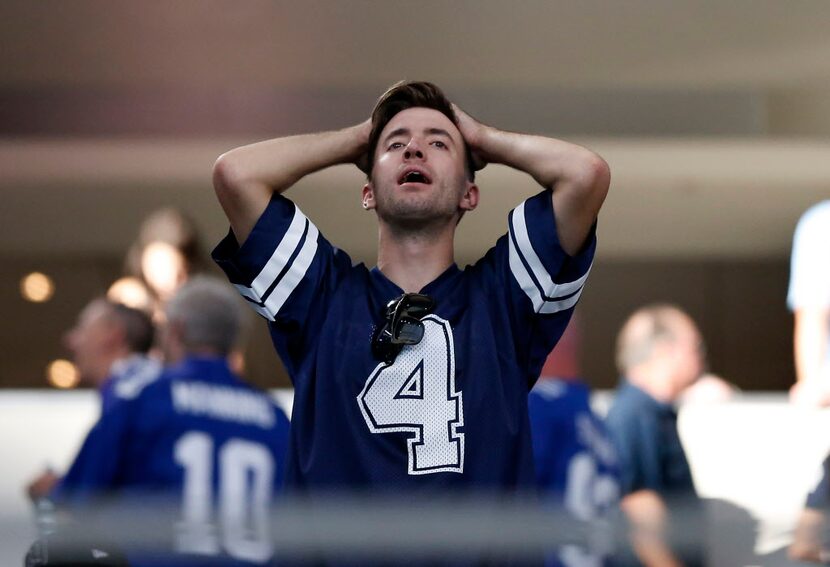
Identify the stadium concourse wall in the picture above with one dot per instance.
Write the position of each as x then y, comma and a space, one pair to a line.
739, 304
757, 453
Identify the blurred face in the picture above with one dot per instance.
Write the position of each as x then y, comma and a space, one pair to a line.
419, 172
688, 354
94, 343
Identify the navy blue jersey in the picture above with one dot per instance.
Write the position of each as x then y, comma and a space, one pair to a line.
648, 444
199, 439
652, 458
127, 378
451, 410
575, 458
576, 464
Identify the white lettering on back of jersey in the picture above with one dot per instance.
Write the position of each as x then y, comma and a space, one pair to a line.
227, 404
591, 436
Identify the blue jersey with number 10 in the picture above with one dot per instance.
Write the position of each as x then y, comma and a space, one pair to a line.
197, 443
576, 466
450, 411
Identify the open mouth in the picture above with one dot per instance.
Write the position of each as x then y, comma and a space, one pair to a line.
414, 176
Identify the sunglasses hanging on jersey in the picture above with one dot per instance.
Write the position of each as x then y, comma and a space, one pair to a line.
402, 326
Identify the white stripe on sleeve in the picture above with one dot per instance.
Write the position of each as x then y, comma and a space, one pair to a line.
279, 259
547, 296
295, 273
278, 262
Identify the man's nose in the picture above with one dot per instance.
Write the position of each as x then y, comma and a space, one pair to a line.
413, 151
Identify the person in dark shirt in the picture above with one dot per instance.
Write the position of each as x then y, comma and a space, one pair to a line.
659, 354
109, 343
411, 376
194, 458
810, 536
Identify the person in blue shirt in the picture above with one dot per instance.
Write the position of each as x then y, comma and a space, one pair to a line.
109, 343
197, 443
576, 466
412, 375
660, 353
576, 463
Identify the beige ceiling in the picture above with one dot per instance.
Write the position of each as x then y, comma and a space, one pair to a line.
715, 116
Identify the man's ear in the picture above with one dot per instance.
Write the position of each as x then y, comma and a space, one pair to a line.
368, 196
116, 337
172, 341
469, 200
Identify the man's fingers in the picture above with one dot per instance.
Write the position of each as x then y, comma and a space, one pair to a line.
470, 129
363, 132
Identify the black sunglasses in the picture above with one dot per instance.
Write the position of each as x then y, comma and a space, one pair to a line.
402, 326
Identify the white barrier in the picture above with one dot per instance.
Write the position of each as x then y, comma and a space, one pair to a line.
756, 452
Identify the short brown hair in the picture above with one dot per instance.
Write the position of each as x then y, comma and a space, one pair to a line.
411, 94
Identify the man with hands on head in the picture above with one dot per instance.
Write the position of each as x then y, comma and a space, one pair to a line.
414, 373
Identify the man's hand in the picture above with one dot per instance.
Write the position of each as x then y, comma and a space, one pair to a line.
362, 132
42, 485
578, 177
246, 178
473, 133
810, 393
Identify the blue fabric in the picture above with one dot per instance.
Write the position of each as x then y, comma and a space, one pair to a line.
645, 434
576, 464
819, 496
127, 378
565, 427
452, 410
142, 450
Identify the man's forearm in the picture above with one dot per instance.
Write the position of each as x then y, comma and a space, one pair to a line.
578, 177
548, 160
648, 517
808, 543
245, 178
811, 337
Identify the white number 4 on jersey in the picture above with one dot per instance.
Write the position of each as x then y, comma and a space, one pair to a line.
417, 394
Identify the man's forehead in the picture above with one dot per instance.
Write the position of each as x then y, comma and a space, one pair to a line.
419, 119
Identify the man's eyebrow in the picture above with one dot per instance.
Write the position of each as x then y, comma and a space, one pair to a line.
428, 131
438, 132
395, 133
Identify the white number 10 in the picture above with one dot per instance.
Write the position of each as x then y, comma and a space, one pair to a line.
243, 507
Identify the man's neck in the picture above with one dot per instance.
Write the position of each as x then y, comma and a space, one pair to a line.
658, 387
413, 259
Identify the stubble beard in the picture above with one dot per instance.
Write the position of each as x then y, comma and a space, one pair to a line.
416, 214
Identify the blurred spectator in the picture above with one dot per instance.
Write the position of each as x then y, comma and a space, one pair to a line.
810, 536
109, 345
709, 389
165, 254
809, 299
212, 446
576, 464
659, 354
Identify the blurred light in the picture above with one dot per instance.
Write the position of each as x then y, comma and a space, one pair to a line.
63, 374
131, 292
164, 268
37, 287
